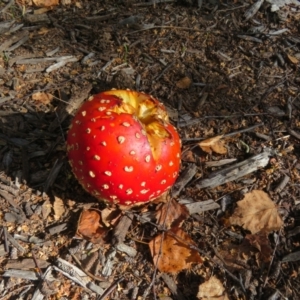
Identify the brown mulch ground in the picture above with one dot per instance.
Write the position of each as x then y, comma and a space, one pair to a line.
218, 72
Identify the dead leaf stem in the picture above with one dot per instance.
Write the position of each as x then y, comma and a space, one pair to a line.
272, 257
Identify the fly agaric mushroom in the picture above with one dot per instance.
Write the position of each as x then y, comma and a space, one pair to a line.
122, 148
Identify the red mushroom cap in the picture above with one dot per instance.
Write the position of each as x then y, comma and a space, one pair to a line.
123, 149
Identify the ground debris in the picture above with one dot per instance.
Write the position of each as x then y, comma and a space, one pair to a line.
237, 170
225, 69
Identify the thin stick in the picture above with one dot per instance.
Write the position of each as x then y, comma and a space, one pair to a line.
198, 120
5, 240
37, 265
243, 130
170, 27
227, 134
273, 255
7, 296
154, 2
110, 289
163, 71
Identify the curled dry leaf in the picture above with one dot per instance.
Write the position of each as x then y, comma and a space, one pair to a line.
110, 216
212, 289
260, 242
235, 256
42, 97
171, 252
188, 156
256, 212
214, 144
90, 227
184, 83
171, 214
58, 207
293, 59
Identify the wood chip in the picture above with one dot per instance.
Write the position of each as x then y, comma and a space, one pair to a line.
13, 40
130, 251
282, 184
109, 264
237, 170
220, 163
42, 18
28, 275
184, 179
57, 228
26, 263
201, 206
75, 274
294, 256
122, 228
2, 251
61, 63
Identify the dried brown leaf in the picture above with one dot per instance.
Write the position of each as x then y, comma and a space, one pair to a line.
171, 214
293, 59
188, 156
256, 212
45, 3
235, 256
184, 83
46, 209
261, 242
42, 97
110, 216
212, 289
214, 144
90, 227
171, 251
58, 207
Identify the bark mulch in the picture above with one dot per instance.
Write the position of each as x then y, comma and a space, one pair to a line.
226, 68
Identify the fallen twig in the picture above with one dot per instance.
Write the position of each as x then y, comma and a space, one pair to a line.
237, 170
110, 289
227, 134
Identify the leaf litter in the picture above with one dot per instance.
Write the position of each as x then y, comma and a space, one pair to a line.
212, 289
220, 90
171, 214
257, 212
90, 227
171, 251
214, 144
